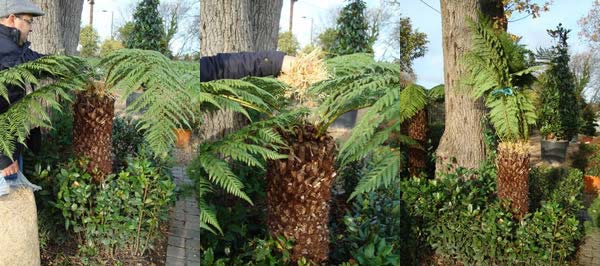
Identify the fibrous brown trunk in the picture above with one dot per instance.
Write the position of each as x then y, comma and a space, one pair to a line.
513, 175
235, 26
299, 191
417, 130
462, 143
58, 30
92, 131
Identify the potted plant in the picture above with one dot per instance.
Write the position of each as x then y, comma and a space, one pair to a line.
592, 168
560, 111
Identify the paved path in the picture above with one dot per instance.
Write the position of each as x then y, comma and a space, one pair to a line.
590, 251
184, 231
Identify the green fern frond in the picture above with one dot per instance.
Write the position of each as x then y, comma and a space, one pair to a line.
165, 98
63, 75
384, 170
497, 72
353, 87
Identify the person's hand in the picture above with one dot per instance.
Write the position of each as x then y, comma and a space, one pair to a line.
288, 61
11, 169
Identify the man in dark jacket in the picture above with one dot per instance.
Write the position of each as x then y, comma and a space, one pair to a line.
16, 18
239, 65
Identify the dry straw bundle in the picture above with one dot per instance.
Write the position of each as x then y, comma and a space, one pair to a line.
306, 70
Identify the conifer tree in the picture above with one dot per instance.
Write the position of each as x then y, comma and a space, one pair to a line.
352, 30
148, 32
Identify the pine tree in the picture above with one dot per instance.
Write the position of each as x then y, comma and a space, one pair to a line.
352, 30
148, 32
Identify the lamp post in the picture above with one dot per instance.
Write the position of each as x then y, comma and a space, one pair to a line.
311, 29
111, 22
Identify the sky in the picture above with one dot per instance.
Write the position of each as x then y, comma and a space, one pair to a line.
429, 69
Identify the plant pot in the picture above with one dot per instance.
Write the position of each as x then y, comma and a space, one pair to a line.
346, 120
586, 139
183, 137
592, 184
554, 150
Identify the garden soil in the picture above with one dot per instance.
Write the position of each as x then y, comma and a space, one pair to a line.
19, 243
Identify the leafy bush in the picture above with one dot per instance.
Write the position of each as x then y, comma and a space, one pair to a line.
119, 216
588, 159
589, 121
258, 251
109, 46
594, 213
126, 141
371, 230
461, 218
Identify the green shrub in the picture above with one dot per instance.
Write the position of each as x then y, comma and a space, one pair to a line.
594, 213
119, 216
461, 218
588, 159
589, 121
126, 141
371, 229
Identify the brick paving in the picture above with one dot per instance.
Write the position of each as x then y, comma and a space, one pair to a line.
184, 229
589, 253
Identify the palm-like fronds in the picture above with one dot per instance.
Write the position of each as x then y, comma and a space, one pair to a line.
251, 146
385, 166
354, 86
498, 72
165, 98
63, 74
360, 82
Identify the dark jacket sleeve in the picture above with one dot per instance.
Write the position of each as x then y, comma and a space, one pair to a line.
15, 94
239, 65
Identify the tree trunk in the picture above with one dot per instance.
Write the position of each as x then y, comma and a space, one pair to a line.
58, 30
235, 26
299, 193
265, 24
462, 143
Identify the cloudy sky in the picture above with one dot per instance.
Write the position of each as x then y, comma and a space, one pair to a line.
429, 69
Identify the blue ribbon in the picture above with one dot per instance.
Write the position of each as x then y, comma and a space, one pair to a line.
505, 91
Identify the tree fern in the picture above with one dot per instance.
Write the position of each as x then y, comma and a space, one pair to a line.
498, 72
252, 145
63, 75
165, 99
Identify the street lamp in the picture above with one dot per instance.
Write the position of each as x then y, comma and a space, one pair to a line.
311, 29
111, 22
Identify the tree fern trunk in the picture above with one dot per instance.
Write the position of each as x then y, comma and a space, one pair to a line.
92, 132
417, 130
513, 176
299, 191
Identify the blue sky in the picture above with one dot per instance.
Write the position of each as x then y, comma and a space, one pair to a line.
429, 69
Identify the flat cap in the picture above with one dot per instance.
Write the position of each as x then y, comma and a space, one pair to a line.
8, 7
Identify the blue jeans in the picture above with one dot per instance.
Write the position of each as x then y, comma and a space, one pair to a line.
14, 176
